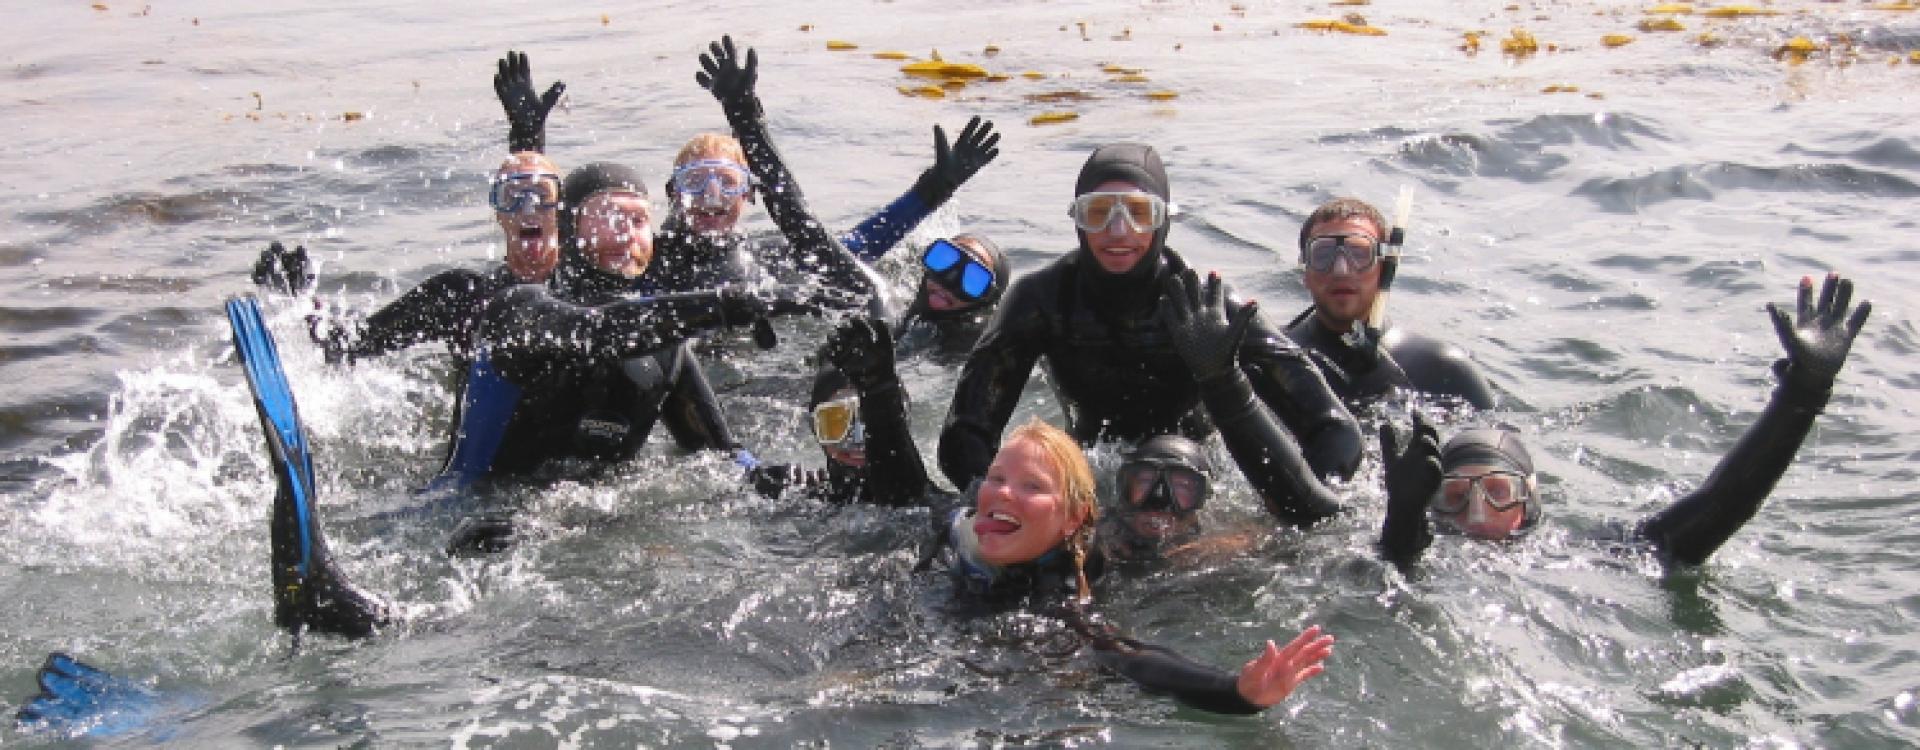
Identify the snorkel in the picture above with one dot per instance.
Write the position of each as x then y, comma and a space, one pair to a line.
1390, 248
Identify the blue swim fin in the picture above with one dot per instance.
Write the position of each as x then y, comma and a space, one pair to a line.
78, 700
309, 591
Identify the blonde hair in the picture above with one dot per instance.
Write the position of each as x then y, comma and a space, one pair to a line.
711, 146
1064, 456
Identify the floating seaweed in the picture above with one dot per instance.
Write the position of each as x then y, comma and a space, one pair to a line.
1342, 26
892, 55
1738, 11
1045, 118
840, 46
938, 68
1616, 40
1560, 88
1519, 43
1162, 95
1064, 95
1671, 9
1651, 25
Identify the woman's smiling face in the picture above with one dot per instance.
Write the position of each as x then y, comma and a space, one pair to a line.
1021, 512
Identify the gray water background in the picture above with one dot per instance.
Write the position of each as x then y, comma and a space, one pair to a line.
1604, 258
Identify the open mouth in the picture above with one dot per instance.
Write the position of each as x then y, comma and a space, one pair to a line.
531, 233
995, 523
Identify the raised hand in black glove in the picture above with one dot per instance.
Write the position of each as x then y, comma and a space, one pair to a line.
862, 349
1819, 336
1205, 333
526, 112
954, 165
282, 271
1413, 476
730, 81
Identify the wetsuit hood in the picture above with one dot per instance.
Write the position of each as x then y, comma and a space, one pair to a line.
1165, 451
1501, 449
996, 260
957, 330
577, 278
1139, 164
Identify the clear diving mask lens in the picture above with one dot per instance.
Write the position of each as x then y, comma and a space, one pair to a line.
710, 183
1143, 212
520, 192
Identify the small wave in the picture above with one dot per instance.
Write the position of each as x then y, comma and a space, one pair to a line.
1628, 195
1886, 152
1517, 150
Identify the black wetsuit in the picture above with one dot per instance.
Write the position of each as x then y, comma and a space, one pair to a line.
552, 379
1117, 375
1690, 530
893, 475
1048, 586
443, 308
1405, 360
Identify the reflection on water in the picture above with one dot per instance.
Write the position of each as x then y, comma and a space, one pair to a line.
1604, 257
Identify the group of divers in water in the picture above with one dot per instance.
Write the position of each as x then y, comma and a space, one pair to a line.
585, 337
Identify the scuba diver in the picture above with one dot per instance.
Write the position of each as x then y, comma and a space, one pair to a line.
586, 376
1347, 271
713, 180
525, 195
841, 279
1024, 545
961, 281
858, 413
1092, 315
1482, 485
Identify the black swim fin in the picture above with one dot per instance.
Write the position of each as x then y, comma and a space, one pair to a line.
78, 700
309, 591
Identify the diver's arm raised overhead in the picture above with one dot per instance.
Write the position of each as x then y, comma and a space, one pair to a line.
845, 281
1817, 340
952, 167
526, 111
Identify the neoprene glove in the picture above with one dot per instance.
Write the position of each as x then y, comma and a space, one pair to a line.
954, 165
1819, 336
526, 112
862, 349
1205, 333
729, 80
282, 271
1413, 475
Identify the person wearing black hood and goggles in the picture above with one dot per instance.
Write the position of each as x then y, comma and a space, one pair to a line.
1092, 315
1482, 483
961, 281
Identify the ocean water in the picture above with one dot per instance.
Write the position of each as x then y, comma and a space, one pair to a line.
1604, 253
